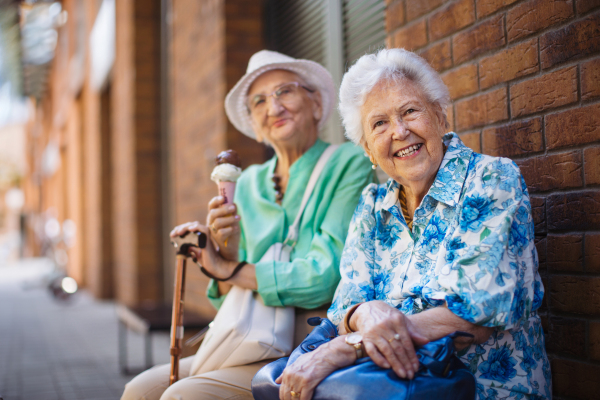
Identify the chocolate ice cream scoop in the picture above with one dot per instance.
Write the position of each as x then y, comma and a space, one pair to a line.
229, 157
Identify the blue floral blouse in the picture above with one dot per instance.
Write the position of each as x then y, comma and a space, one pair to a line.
471, 247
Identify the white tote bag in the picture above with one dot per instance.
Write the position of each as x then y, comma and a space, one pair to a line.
244, 330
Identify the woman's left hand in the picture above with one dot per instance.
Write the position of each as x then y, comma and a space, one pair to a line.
303, 376
389, 338
210, 259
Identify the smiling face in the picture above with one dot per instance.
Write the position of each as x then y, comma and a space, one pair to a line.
403, 132
290, 123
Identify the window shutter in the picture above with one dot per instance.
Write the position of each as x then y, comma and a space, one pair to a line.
364, 28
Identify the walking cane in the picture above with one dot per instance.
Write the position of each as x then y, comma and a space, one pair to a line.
183, 245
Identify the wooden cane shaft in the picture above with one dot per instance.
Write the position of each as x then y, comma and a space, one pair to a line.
177, 318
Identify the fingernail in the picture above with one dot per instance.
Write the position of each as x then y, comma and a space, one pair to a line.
231, 208
237, 217
401, 373
410, 375
416, 366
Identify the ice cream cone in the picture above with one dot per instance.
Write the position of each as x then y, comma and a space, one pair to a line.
227, 190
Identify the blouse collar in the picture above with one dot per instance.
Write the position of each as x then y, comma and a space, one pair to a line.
449, 180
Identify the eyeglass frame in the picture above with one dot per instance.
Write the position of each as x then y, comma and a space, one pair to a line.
273, 93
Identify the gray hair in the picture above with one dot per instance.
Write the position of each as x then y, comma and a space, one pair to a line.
386, 64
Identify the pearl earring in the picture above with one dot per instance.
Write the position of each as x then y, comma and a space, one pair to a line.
374, 166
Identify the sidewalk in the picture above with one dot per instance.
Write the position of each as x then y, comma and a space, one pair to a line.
56, 351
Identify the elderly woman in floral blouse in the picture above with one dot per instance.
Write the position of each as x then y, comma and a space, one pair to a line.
446, 244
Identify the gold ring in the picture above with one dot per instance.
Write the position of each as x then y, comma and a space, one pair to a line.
213, 228
396, 337
295, 394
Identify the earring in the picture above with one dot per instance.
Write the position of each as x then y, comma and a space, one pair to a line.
374, 166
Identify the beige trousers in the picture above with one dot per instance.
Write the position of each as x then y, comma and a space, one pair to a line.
229, 383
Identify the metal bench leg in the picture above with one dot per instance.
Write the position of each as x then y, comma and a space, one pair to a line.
148, 343
123, 348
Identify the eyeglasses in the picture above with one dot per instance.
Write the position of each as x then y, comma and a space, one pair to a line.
285, 94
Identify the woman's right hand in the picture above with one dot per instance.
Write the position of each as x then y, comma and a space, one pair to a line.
389, 337
224, 223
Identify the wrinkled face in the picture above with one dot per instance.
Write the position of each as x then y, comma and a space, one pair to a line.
292, 121
402, 132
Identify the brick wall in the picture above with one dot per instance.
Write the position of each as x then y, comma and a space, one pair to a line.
135, 149
525, 80
211, 44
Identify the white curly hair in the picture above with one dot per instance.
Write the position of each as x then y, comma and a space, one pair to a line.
386, 64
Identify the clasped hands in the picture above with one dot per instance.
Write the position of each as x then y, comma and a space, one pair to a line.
223, 231
389, 338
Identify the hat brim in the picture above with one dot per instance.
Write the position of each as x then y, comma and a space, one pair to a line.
313, 73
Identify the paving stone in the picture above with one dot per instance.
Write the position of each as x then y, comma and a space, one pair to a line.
70, 348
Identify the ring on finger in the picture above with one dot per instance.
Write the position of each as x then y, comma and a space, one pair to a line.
396, 337
213, 228
295, 394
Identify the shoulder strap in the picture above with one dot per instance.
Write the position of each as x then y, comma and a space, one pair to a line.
293, 231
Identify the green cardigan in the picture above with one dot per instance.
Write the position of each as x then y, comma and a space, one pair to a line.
310, 279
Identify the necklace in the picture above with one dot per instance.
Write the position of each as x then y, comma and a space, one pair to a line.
277, 186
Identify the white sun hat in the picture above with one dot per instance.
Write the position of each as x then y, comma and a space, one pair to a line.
315, 75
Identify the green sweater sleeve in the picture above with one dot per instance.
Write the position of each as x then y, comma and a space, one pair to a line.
310, 281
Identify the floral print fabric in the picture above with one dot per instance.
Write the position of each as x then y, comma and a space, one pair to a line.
471, 249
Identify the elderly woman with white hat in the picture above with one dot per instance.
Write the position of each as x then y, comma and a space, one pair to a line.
283, 102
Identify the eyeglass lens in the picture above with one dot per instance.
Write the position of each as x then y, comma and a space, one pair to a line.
284, 94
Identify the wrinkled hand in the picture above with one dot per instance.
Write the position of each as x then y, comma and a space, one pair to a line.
208, 257
389, 337
224, 224
310, 369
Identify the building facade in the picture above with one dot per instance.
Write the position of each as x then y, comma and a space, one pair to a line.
135, 143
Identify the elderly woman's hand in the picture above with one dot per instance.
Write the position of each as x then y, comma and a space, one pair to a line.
303, 376
389, 337
224, 224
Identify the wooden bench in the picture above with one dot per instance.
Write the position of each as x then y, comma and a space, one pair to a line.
145, 321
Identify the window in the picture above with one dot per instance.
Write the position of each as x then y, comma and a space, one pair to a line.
334, 33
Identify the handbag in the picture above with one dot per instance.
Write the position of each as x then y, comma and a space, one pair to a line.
441, 374
245, 330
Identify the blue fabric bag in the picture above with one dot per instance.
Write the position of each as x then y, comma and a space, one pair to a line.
441, 374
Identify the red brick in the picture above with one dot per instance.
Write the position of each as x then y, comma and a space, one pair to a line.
541, 245
520, 137
576, 211
590, 79
462, 81
592, 252
411, 37
565, 253
538, 212
484, 36
556, 171
574, 379
439, 56
578, 40
415, 9
455, 16
486, 7
578, 295
506, 65
594, 335
573, 127
566, 336
535, 15
483, 109
592, 165
584, 6
552, 90
472, 140
450, 116
394, 16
